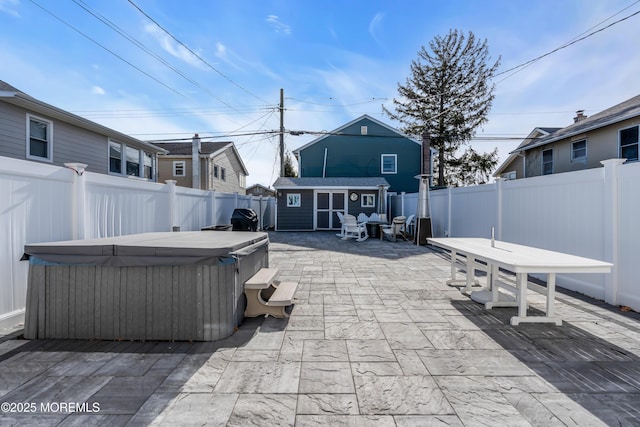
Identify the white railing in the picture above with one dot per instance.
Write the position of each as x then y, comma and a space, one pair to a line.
43, 203
591, 213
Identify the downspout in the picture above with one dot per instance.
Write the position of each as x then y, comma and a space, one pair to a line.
324, 164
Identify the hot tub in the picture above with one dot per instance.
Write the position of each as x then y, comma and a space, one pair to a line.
152, 286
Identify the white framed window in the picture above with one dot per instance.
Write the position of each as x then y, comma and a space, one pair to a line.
389, 163
547, 162
579, 150
39, 138
130, 161
179, 168
242, 180
293, 200
629, 143
368, 201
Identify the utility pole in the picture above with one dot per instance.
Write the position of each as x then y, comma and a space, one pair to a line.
281, 132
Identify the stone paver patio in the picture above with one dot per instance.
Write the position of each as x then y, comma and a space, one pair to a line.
376, 338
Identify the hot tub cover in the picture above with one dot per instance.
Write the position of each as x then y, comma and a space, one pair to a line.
165, 248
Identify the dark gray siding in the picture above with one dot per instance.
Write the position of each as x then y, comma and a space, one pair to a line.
356, 207
13, 132
295, 218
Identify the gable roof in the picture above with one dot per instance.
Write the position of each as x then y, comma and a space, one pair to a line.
337, 131
207, 149
534, 135
335, 183
618, 113
16, 97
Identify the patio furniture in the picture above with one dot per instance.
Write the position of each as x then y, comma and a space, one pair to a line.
354, 229
520, 260
395, 229
341, 218
265, 296
410, 225
362, 217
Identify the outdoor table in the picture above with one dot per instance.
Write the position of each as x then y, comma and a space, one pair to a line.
520, 260
373, 228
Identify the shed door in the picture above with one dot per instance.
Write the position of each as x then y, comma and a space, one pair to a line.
328, 204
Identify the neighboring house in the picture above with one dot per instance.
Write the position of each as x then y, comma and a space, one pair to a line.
218, 166
612, 133
260, 190
33, 130
348, 170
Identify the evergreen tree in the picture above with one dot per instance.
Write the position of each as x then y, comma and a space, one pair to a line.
448, 95
289, 169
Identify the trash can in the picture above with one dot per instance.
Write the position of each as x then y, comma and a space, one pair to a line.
244, 219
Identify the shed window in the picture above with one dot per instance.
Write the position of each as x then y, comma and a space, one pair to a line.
579, 150
293, 200
39, 138
368, 201
179, 168
389, 163
547, 162
629, 143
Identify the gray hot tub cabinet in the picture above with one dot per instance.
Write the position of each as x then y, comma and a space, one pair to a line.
152, 286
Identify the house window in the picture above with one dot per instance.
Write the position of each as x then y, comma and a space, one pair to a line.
216, 171
223, 174
389, 163
579, 150
547, 162
148, 165
509, 175
293, 200
363, 130
629, 143
179, 168
133, 161
368, 201
242, 180
39, 144
115, 157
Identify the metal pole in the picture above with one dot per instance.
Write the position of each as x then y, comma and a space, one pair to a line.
281, 132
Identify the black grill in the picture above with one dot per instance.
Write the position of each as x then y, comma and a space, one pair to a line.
244, 220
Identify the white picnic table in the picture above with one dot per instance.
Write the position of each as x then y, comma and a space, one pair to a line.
518, 259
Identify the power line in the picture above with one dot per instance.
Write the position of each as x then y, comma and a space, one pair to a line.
142, 47
194, 53
105, 48
566, 45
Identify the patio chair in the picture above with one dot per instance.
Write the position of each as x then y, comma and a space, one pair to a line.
410, 225
341, 218
395, 229
374, 217
362, 217
354, 229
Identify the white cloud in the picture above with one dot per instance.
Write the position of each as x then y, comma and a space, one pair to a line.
277, 25
172, 47
10, 7
97, 90
374, 26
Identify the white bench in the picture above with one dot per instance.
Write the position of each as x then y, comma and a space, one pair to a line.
265, 295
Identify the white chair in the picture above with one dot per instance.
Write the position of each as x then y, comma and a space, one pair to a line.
354, 229
410, 224
362, 217
397, 228
341, 218
374, 217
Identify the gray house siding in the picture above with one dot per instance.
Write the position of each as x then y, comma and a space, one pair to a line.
231, 183
351, 154
300, 218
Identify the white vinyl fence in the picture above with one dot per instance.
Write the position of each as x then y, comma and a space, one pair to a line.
44, 203
591, 213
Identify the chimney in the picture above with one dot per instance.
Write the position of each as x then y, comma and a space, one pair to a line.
579, 116
195, 162
425, 167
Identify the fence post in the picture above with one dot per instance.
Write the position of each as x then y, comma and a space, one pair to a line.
212, 206
499, 207
611, 227
171, 193
79, 196
449, 203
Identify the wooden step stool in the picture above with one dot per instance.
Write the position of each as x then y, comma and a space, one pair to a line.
265, 295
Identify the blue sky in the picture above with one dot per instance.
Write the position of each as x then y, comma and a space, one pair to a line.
335, 60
